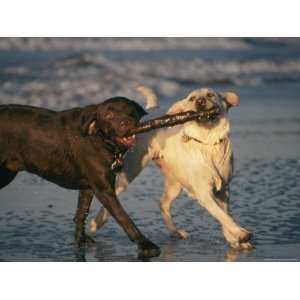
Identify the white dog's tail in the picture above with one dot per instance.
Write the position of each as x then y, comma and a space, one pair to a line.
149, 95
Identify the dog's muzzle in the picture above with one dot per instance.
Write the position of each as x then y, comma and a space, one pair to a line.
206, 105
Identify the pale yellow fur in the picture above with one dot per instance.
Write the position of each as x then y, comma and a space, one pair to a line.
195, 158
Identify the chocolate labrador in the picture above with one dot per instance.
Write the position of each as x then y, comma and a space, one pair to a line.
79, 149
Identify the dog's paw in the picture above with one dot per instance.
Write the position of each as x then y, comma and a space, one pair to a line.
148, 249
243, 236
181, 234
241, 246
93, 226
246, 246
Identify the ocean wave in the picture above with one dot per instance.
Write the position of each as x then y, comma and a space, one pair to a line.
61, 73
120, 44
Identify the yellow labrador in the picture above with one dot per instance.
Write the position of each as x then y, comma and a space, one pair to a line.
202, 164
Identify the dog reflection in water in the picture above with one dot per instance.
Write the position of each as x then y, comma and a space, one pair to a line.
102, 251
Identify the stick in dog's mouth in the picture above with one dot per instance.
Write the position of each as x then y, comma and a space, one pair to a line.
175, 119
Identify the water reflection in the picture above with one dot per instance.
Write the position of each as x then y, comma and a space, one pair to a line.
102, 251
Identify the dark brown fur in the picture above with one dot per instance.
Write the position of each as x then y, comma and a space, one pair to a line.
59, 147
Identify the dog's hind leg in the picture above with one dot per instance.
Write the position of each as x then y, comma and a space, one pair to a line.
135, 162
103, 214
6, 176
100, 219
223, 201
172, 189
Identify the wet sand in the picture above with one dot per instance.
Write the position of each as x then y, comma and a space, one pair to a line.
36, 216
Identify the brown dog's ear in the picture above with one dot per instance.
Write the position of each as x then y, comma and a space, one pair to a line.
231, 98
92, 128
89, 124
176, 108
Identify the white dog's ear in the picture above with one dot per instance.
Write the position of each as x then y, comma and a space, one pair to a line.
176, 108
231, 98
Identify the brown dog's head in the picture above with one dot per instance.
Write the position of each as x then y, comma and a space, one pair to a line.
205, 99
113, 118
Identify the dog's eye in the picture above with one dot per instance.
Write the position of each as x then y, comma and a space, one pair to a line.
210, 95
124, 123
193, 98
109, 115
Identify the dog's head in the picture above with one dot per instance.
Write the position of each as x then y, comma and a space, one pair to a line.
113, 118
214, 129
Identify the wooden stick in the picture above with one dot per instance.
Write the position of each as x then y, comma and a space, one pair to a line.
173, 120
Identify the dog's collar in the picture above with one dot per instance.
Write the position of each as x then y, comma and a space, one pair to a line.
118, 162
186, 138
118, 159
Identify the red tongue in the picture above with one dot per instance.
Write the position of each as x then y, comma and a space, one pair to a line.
128, 141
131, 139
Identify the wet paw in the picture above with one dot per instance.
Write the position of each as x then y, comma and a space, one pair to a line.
246, 246
148, 249
239, 236
244, 236
241, 246
239, 241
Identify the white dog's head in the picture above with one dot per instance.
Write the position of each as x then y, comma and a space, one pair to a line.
212, 131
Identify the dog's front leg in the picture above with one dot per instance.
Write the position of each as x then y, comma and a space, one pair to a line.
84, 202
209, 201
106, 195
222, 198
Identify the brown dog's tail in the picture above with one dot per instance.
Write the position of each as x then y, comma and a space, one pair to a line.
149, 95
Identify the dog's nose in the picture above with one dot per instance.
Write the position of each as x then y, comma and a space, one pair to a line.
127, 123
124, 123
201, 101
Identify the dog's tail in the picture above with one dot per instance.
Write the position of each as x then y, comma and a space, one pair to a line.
149, 95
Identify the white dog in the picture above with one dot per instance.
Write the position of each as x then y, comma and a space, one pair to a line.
195, 157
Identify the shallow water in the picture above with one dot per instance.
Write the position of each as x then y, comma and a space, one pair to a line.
36, 216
